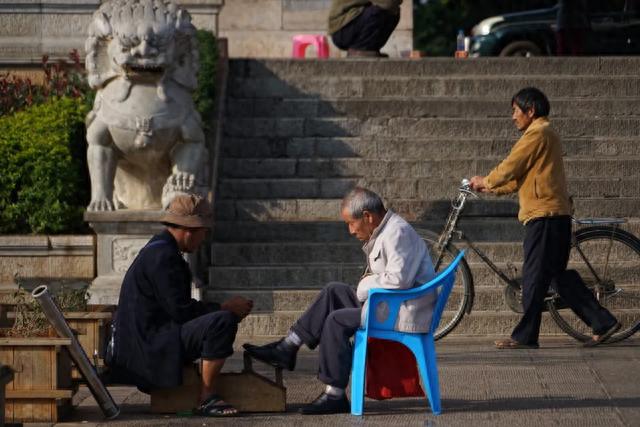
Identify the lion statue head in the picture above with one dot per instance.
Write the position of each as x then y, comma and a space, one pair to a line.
141, 41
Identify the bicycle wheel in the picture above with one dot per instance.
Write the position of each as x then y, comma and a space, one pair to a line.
614, 277
461, 298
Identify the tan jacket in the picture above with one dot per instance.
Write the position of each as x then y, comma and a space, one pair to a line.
398, 258
344, 11
534, 168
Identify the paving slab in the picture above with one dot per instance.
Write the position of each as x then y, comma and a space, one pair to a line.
558, 384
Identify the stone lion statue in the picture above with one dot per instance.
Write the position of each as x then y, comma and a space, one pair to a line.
145, 139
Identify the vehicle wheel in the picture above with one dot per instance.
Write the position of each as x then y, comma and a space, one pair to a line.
614, 256
521, 48
461, 298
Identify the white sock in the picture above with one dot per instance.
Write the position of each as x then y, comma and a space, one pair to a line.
293, 339
334, 391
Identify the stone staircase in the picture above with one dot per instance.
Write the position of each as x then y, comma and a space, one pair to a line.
299, 134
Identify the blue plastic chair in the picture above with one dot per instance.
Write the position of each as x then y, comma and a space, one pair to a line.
421, 344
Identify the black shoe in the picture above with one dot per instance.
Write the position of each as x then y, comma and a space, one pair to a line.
327, 404
274, 354
357, 53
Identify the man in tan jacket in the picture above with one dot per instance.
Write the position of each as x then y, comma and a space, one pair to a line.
397, 258
535, 170
362, 27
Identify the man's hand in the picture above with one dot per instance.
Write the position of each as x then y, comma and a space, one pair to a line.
477, 184
239, 306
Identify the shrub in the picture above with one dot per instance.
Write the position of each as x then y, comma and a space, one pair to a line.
204, 96
59, 79
30, 320
43, 184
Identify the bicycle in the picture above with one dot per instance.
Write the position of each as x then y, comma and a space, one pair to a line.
606, 257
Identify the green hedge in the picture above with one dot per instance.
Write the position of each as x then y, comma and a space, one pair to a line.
204, 96
43, 183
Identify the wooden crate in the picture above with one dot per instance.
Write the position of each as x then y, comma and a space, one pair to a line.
91, 327
6, 376
246, 391
41, 389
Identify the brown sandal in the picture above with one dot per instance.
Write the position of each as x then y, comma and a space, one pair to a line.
602, 338
510, 344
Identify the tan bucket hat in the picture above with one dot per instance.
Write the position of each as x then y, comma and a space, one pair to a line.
190, 211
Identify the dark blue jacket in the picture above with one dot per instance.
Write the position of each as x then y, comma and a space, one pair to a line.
155, 300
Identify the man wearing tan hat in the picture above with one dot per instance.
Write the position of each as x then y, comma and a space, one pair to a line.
159, 327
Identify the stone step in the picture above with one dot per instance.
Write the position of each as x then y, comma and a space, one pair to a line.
310, 253
428, 67
411, 148
322, 253
453, 169
426, 188
289, 210
311, 107
316, 275
335, 231
296, 300
419, 127
478, 323
478, 229
385, 85
276, 301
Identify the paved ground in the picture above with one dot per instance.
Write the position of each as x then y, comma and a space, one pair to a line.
559, 384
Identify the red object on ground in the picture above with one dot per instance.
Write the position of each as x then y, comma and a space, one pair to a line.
319, 41
391, 371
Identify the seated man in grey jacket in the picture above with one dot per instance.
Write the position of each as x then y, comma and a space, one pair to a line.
397, 258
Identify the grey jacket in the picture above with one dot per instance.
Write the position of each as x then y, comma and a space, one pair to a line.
398, 258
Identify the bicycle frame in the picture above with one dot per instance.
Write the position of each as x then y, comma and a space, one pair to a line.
451, 229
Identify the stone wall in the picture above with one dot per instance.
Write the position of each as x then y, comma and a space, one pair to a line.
32, 28
264, 28
39, 259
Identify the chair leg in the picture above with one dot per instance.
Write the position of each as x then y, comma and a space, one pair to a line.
358, 369
299, 49
429, 371
323, 48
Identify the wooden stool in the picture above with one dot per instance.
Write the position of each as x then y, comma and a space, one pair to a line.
247, 391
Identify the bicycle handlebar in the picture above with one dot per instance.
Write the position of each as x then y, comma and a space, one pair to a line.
465, 187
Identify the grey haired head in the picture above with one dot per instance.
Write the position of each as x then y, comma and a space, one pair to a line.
359, 200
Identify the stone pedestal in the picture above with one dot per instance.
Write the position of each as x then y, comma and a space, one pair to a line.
119, 237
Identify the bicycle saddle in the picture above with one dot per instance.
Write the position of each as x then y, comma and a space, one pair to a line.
598, 221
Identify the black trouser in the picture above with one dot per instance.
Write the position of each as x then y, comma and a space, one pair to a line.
209, 336
547, 244
331, 320
368, 31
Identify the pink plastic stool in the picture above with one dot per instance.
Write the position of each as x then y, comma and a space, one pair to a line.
301, 41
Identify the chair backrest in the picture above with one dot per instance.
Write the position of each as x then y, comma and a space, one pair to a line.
392, 299
447, 278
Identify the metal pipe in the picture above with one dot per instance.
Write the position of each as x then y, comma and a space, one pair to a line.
55, 317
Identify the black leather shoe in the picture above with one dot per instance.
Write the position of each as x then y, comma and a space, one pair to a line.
327, 404
273, 354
